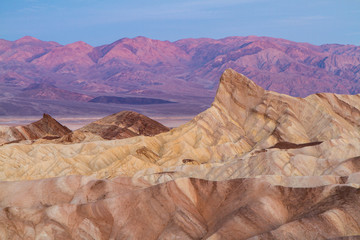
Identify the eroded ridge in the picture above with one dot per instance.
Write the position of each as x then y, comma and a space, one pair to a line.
255, 165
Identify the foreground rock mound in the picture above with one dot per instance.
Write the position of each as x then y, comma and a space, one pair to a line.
47, 128
255, 165
76, 207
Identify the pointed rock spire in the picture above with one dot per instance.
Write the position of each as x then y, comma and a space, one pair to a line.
237, 90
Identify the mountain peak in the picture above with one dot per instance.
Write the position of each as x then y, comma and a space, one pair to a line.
48, 125
79, 44
27, 39
236, 89
123, 125
47, 116
232, 77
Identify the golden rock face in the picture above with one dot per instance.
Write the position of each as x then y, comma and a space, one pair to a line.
256, 164
242, 124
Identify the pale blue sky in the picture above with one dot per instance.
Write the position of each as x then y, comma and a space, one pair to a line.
100, 22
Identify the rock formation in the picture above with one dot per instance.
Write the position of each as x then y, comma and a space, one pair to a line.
120, 125
256, 165
244, 121
123, 125
47, 128
76, 207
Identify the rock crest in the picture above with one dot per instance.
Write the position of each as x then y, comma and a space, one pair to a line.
255, 165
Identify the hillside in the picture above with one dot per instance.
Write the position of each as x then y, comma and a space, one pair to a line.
46, 127
150, 66
119, 125
255, 165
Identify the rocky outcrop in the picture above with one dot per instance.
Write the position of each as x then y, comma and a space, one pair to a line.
255, 165
244, 122
77, 207
123, 125
47, 128
119, 125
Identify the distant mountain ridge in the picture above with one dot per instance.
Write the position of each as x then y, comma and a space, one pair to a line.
153, 67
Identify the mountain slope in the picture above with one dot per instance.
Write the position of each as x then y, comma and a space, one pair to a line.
51, 92
119, 125
255, 165
244, 120
125, 124
146, 65
87, 208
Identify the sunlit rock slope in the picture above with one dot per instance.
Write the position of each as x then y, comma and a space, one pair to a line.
255, 165
244, 123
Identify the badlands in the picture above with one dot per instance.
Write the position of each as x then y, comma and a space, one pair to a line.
255, 165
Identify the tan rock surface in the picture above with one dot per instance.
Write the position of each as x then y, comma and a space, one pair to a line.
244, 121
76, 207
255, 165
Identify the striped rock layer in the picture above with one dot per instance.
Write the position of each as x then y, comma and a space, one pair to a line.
255, 165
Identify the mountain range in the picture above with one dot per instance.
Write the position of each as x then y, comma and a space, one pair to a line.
179, 71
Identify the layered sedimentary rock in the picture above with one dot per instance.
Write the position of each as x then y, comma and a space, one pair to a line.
245, 121
255, 165
76, 207
123, 125
47, 128
119, 125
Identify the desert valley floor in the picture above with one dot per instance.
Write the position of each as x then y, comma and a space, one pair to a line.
74, 123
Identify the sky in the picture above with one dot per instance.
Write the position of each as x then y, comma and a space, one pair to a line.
99, 22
